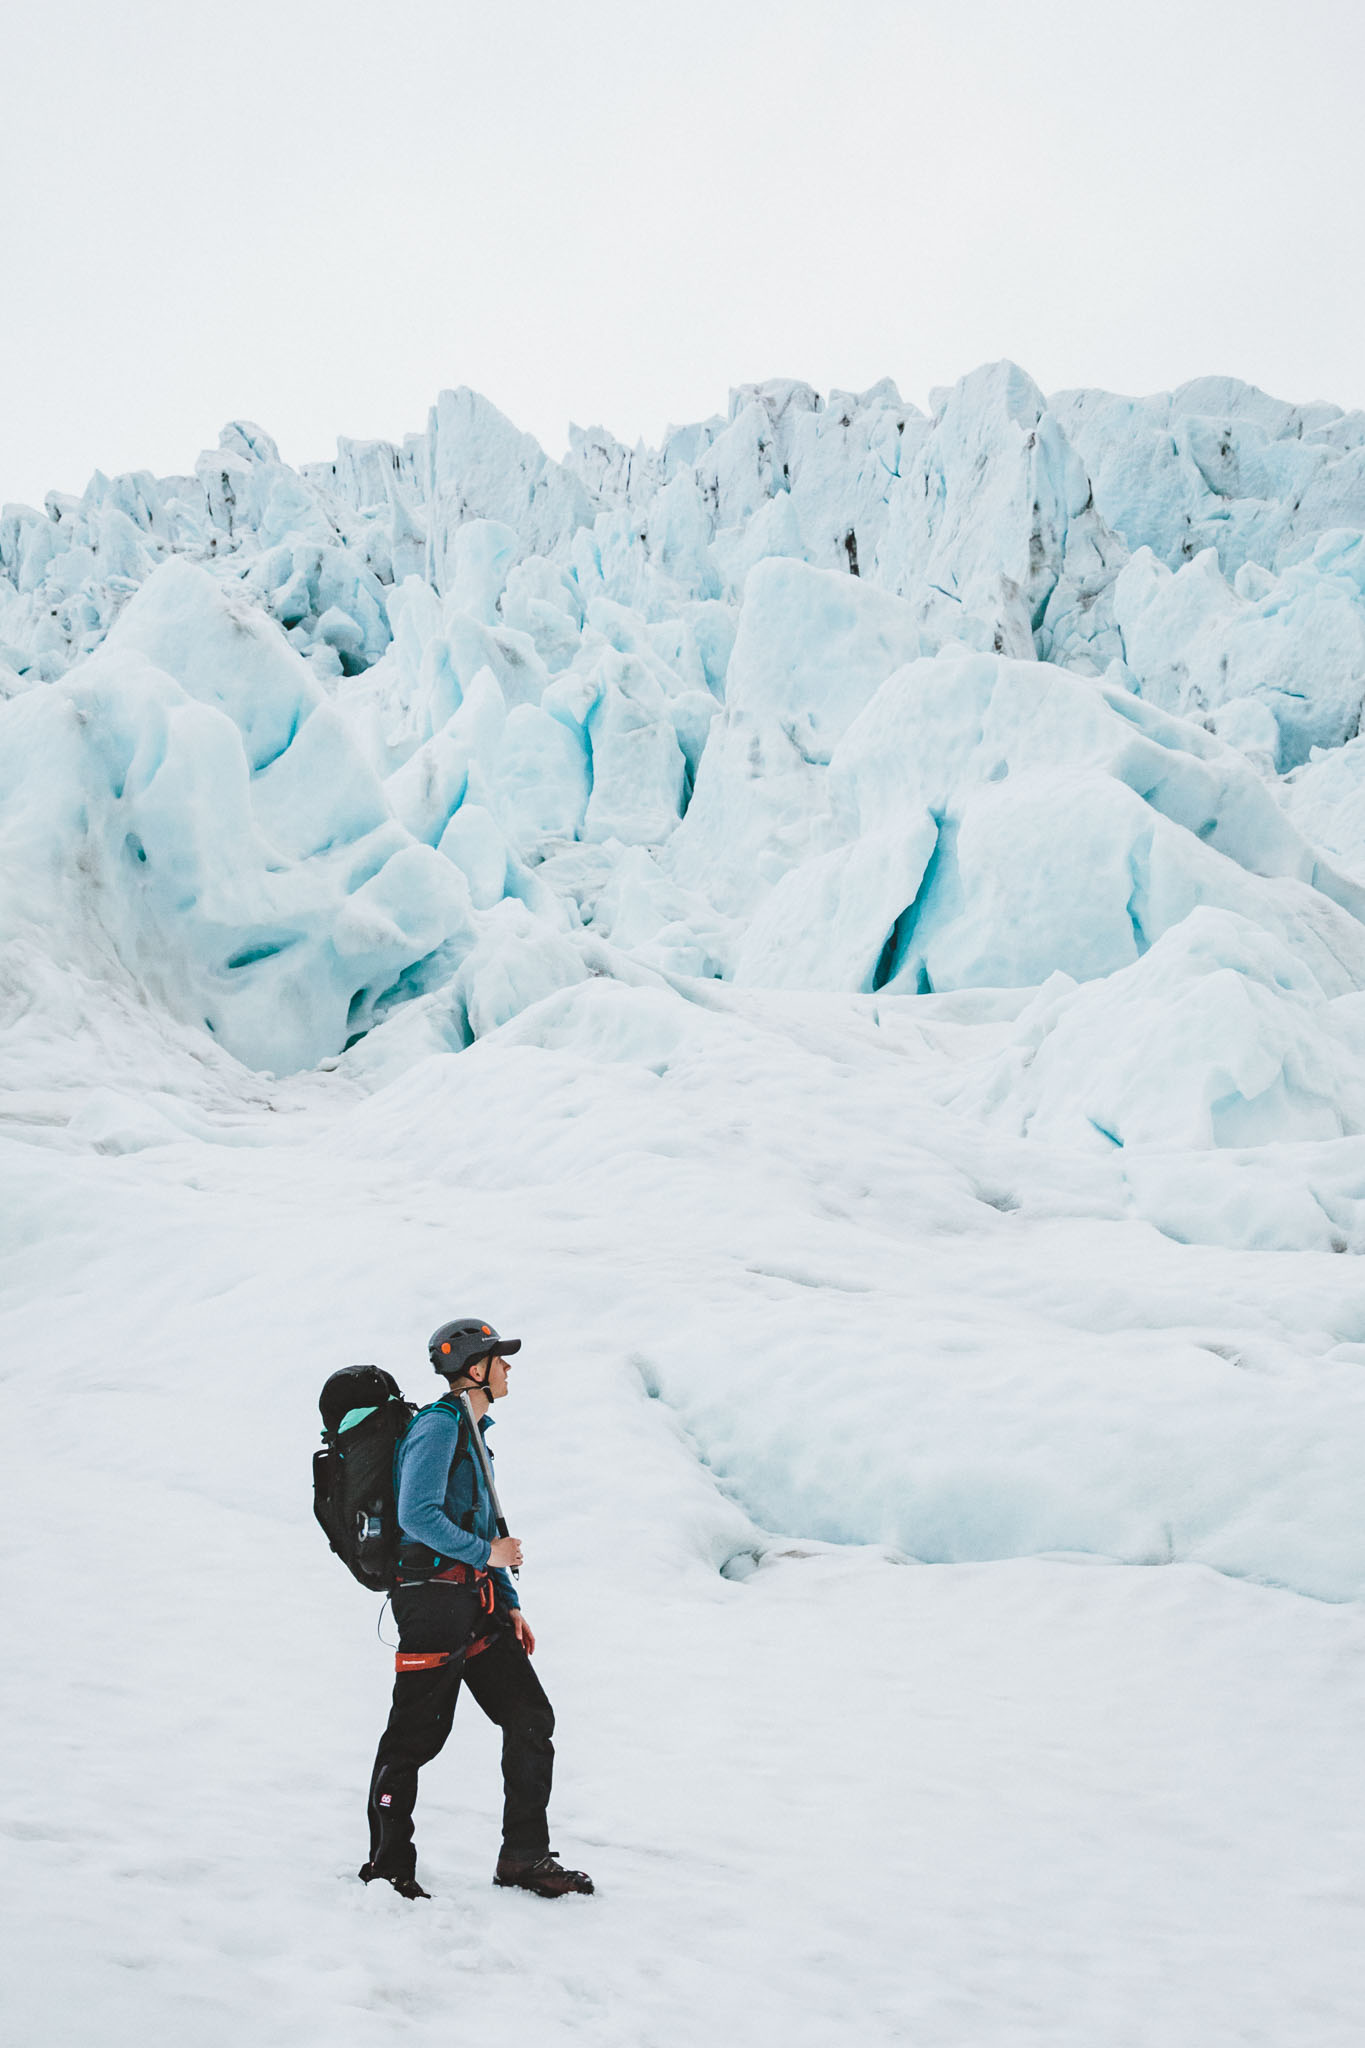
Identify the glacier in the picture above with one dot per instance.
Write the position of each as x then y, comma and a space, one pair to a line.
699, 658
850, 926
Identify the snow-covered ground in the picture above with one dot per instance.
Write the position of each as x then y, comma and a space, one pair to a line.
891, 1045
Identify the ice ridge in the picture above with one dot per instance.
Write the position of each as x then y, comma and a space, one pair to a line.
826, 693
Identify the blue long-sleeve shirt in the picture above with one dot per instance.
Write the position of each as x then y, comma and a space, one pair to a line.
438, 1493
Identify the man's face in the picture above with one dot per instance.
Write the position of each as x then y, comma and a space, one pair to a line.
496, 1382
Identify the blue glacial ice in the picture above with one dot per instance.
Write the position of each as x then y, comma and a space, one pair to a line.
823, 693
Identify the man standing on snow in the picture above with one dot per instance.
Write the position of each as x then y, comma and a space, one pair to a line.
459, 1620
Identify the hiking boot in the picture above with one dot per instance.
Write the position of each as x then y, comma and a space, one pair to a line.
406, 1887
546, 1876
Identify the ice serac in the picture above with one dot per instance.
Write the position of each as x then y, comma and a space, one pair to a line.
834, 921
1074, 826
1287, 650
1218, 464
846, 458
982, 516
189, 809
812, 649
223, 653
479, 466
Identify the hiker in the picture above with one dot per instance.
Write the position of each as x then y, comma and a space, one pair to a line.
460, 1621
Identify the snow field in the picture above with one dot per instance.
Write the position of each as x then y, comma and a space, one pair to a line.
826, 1793
823, 1788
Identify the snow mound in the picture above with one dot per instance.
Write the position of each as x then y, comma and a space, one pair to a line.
1218, 1036
1324, 799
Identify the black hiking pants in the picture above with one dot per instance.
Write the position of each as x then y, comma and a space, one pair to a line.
436, 1616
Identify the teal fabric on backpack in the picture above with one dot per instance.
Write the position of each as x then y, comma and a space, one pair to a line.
352, 1416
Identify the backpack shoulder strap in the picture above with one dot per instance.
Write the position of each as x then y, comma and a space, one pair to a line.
450, 1404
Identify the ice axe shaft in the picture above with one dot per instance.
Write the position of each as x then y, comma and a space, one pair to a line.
486, 1467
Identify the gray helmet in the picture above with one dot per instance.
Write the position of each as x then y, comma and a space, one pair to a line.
456, 1346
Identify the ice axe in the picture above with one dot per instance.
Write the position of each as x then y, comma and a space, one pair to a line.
486, 1467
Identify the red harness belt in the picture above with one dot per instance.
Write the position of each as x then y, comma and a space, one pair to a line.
431, 1660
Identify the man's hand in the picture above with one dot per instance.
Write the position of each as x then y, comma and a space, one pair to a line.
523, 1632
506, 1552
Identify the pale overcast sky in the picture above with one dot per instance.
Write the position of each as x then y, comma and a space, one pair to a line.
317, 213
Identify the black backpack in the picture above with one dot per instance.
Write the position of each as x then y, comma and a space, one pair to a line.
364, 1419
